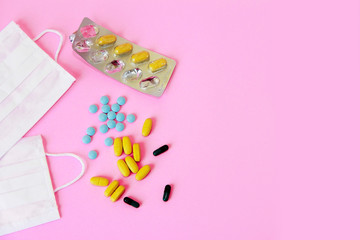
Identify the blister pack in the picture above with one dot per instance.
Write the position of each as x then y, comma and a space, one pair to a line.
122, 60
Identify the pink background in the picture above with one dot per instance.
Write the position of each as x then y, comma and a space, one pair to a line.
261, 115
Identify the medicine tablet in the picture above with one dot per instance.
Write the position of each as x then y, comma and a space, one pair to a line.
143, 172
120, 127
127, 145
136, 152
86, 139
111, 188
105, 108
104, 100
130, 118
157, 65
115, 107
147, 127
99, 181
92, 154
160, 150
140, 57
167, 191
118, 147
106, 40
111, 124
121, 101
111, 115
117, 194
124, 169
93, 108
104, 128
103, 117
131, 164
109, 141
90, 131
120, 117
123, 49
131, 202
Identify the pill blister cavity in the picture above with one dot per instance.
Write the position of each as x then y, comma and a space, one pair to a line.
123, 49
133, 74
114, 66
140, 57
106, 40
158, 65
149, 83
99, 56
89, 31
82, 46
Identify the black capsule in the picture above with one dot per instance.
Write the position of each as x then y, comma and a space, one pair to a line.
131, 202
160, 150
167, 191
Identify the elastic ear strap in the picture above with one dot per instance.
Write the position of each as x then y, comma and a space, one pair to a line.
60, 43
82, 168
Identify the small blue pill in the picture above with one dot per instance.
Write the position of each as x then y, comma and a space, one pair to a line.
103, 128
120, 117
86, 139
111, 124
120, 127
109, 141
111, 115
93, 108
104, 99
92, 154
105, 108
130, 118
90, 131
121, 101
115, 107
103, 117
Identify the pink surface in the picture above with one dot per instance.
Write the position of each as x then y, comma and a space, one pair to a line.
261, 115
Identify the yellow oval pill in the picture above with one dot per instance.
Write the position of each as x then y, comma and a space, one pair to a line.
106, 40
147, 127
118, 148
111, 188
143, 172
127, 145
123, 168
117, 194
136, 152
132, 164
140, 57
157, 65
99, 181
123, 49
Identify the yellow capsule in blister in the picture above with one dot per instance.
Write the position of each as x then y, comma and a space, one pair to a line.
111, 188
117, 194
99, 181
118, 148
123, 49
147, 127
123, 168
143, 172
106, 40
127, 145
136, 152
140, 57
131, 164
157, 65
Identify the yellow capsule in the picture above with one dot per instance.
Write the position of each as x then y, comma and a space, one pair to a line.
118, 148
117, 194
123, 168
106, 40
147, 127
111, 188
132, 164
143, 172
140, 57
123, 49
136, 152
99, 181
157, 65
127, 145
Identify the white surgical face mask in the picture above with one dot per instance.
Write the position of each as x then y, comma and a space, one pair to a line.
30, 84
26, 193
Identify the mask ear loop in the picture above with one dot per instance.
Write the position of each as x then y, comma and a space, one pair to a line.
60, 43
75, 179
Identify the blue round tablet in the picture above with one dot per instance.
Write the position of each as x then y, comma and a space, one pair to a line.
130, 118
121, 101
115, 107
103, 128
120, 127
90, 131
86, 139
103, 117
109, 141
105, 108
93, 108
92, 154
120, 117
111, 115
104, 99
111, 124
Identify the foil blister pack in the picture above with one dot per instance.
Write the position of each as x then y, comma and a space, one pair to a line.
122, 60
